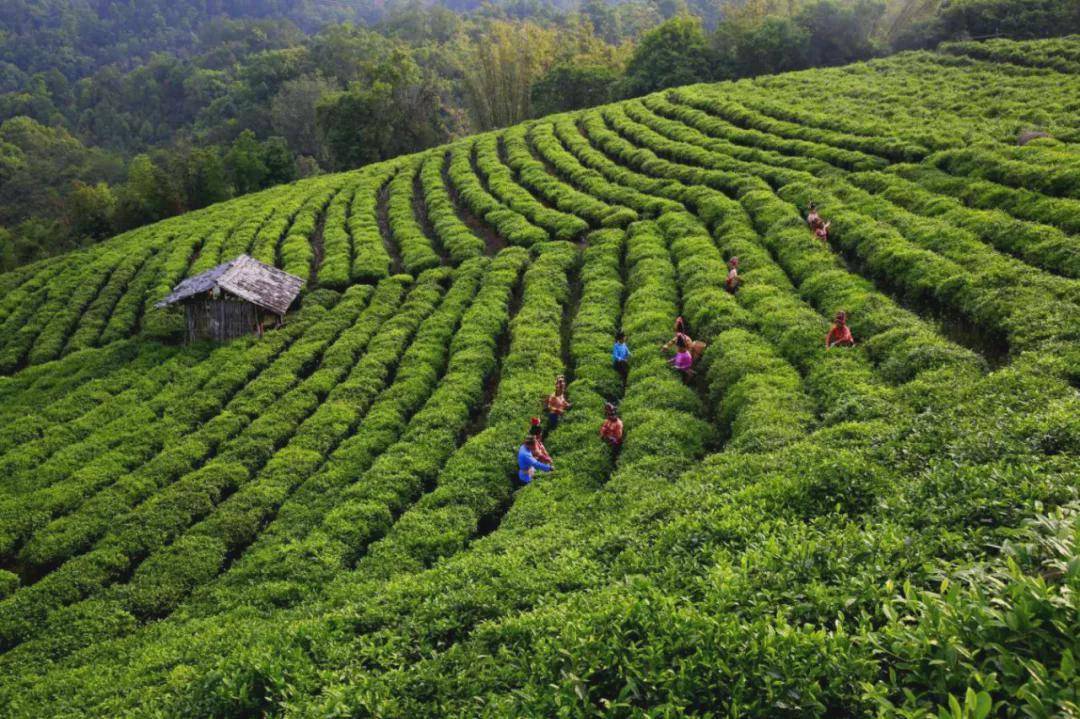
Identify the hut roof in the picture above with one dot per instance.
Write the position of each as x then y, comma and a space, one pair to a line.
247, 278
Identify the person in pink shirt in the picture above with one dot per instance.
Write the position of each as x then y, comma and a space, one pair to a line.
731, 284
695, 348
683, 361
822, 232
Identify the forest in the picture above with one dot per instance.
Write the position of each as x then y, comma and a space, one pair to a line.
114, 115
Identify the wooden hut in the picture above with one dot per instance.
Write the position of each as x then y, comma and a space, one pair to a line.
234, 299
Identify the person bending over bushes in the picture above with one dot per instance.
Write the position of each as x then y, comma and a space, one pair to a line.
819, 226
536, 432
731, 284
696, 349
822, 232
529, 464
839, 334
683, 361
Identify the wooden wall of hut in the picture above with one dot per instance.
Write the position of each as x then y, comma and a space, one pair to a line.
219, 319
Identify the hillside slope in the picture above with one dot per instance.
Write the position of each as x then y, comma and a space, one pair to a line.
322, 523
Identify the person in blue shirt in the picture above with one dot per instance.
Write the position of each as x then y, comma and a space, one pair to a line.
527, 463
620, 355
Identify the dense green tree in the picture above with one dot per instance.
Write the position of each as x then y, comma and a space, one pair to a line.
246, 163
1009, 18
604, 19
90, 212
675, 53
570, 86
279, 161
500, 67
293, 112
149, 194
397, 110
672, 8
777, 44
839, 32
9, 257
206, 178
38, 165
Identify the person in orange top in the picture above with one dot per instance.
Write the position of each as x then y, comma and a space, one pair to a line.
611, 430
556, 403
839, 333
731, 284
538, 449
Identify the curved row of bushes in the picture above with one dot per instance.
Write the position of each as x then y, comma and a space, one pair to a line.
1061, 212
423, 327
1040, 245
543, 140
335, 272
917, 338
1058, 176
718, 135
509, 224
370, 260
502, 184
415, 247
296, 553
850, 152
458, 241
70, 387
533, 175
158, 448
233, 446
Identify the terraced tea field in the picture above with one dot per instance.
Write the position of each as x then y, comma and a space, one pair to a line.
322, 523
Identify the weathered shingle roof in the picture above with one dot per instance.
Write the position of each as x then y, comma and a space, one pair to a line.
247, 278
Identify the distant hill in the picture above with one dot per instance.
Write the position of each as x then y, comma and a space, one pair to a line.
76, 37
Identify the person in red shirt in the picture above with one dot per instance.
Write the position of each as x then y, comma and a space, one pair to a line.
538, 449
839, 333
556, 403
813, 218
611, 431
731, 284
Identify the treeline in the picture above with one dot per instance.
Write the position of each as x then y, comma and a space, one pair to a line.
59, 195
92, 147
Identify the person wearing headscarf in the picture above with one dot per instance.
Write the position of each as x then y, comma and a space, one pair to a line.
839, 333
696, 349
537, 432
731, 284
556, 403
620, 355
611, 431
527, 463
683, 361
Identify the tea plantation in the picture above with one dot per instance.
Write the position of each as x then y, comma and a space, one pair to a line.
322, 522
